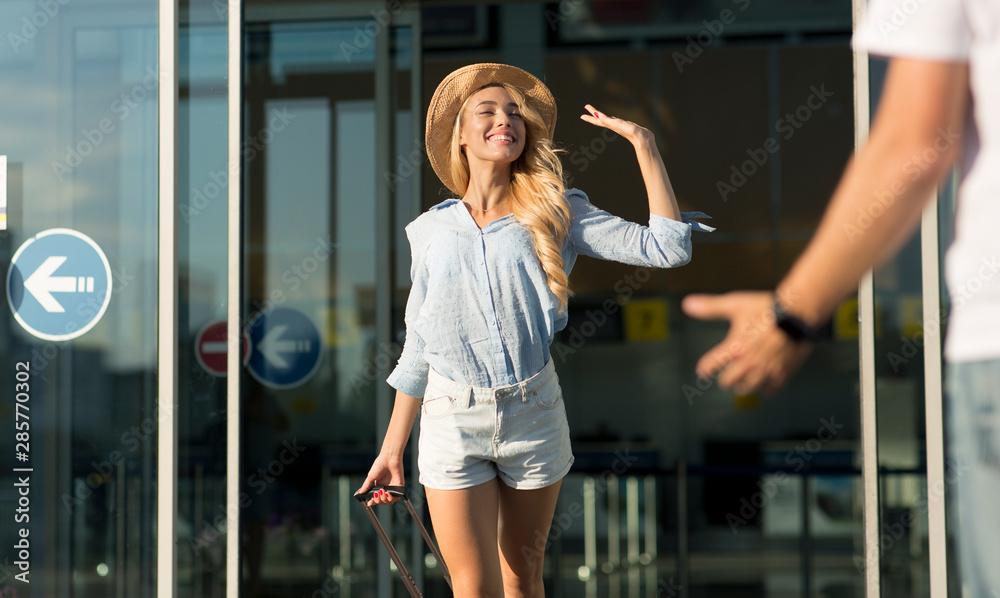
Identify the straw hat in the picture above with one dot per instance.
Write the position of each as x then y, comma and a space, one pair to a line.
452, 92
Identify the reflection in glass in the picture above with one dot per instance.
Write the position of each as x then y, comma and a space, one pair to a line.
310, 250
203, 181
755, 494
79, 133
899, 371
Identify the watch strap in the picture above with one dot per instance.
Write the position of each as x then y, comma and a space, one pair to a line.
794, 327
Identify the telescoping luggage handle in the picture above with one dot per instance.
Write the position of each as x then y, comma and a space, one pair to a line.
400, 491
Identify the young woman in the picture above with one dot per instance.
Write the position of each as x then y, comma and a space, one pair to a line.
490, 287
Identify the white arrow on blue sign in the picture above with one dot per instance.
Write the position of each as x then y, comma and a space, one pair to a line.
59, 284
285, 348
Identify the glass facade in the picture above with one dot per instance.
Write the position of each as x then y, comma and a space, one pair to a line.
77, 488
679, 487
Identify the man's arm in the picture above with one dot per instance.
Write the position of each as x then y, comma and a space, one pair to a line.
914, 142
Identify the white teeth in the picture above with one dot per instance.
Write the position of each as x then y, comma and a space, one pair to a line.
503, 138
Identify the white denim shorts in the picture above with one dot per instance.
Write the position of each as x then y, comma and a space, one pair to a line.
468, 435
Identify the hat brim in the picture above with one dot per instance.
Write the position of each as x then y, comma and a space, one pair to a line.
452, 92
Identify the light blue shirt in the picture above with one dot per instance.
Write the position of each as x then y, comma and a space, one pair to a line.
480, 311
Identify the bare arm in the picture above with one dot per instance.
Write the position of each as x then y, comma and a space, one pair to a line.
913, 145
388, 466
875, 208
662, 200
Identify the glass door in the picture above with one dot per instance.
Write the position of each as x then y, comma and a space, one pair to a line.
78, 255
328, 107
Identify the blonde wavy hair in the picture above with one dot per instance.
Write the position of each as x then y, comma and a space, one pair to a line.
537, 191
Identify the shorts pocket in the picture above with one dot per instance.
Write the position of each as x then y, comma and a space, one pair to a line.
437, 407
548, 397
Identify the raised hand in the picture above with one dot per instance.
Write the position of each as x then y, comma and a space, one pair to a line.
662, 201
626, 128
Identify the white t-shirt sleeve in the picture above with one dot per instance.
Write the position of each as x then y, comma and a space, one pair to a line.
927, 29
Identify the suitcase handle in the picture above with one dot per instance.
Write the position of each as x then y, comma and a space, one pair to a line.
397, 491
401, 492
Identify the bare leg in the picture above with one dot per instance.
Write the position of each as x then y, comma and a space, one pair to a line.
465, 526
525, 519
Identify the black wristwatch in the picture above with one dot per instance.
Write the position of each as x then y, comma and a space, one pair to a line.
792, 326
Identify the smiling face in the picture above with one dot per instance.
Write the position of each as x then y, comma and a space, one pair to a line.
492, 128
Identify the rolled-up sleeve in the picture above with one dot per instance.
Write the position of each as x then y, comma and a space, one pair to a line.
410, 374
665, 243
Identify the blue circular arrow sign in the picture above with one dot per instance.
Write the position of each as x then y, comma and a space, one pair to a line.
285, 347
59, 284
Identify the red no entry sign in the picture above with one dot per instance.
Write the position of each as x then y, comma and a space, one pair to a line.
211, 348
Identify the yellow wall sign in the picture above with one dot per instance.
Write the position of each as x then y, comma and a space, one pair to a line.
845, 321
746, 402
342, 326
911, 315
646, 320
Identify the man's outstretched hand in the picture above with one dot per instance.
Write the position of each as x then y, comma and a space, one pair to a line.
756, 355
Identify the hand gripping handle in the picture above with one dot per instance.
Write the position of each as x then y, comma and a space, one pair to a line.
397, 491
